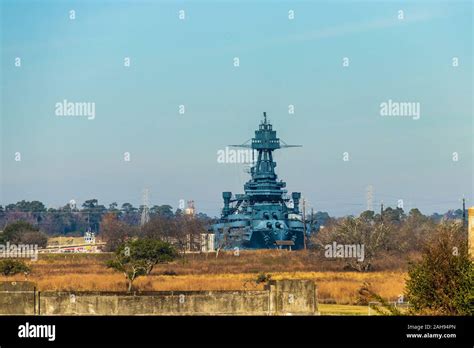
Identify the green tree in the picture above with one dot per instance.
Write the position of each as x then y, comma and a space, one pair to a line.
138, 257
35, 209
442, 282
391, 215
130, 214
94, 212
22, 232
113, 208
162, 210
367, 216
10, 267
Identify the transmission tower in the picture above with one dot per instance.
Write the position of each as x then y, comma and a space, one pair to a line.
145, 216
370, 198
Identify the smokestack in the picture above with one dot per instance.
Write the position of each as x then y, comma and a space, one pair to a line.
296, 201
226, 196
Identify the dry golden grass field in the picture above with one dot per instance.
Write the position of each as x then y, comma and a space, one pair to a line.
81, 272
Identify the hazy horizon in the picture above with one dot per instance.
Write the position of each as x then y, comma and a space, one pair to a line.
283, 62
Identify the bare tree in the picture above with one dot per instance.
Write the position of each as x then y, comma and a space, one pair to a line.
357, 231
115, 232
183, 232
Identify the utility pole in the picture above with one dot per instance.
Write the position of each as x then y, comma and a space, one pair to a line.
464, 212
304, 223
381, 211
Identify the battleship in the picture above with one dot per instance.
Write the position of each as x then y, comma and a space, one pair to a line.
264, 217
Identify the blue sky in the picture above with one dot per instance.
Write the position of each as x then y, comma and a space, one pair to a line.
282, 62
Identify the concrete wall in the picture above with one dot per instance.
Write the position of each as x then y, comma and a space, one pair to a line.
296, 297
17, 298
163, 303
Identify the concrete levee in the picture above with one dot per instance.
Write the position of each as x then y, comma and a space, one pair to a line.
283, 297
161, 303
17, 298
292, 297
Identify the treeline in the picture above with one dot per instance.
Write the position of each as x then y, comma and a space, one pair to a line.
183, 232
22, 232
389, 214
391, 232
70, 219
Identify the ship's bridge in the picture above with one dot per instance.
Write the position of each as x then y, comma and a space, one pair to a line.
261, 218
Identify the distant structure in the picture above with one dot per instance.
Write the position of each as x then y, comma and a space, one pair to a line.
86, 244
262, 217
207, 242
190, 210
145, 215
89, 237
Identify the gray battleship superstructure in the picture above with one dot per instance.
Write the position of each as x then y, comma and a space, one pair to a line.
262, 217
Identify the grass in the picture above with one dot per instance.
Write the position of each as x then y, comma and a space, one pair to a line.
83, 272
335, 309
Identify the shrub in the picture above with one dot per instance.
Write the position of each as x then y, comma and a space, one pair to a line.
10, 267
263, 278
442, 282
138, 257
169, 273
